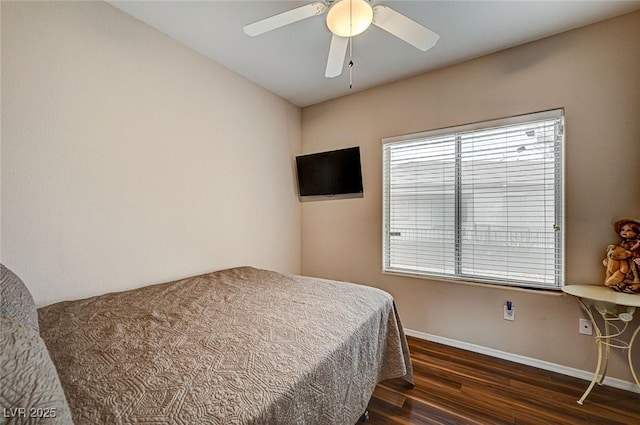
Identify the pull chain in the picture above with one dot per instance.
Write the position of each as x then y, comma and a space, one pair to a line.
350, 63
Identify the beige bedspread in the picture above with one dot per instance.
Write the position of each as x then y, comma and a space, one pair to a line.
239, 346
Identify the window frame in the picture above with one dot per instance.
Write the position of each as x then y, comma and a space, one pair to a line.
558, 196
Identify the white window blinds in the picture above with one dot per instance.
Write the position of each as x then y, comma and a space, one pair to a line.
480, 202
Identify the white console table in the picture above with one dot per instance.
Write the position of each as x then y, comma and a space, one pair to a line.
617, 311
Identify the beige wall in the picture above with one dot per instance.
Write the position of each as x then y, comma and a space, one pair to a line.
594, 73
128, 158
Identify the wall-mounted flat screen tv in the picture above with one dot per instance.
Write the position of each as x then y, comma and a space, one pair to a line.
335, 174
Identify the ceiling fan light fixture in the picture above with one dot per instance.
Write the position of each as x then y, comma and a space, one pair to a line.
348, 18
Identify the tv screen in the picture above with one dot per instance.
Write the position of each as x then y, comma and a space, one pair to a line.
335, 173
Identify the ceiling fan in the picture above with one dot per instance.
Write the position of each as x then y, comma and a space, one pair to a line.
346, 19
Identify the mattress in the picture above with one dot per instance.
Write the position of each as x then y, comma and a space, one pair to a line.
238, 346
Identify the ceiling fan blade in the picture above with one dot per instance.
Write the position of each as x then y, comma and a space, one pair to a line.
285, 18
337, 53
404, 28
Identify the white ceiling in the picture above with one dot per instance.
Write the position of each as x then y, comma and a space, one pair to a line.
291, 61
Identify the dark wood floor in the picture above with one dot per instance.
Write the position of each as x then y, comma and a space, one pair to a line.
454, 386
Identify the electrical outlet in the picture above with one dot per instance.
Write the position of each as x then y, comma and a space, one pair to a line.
509, 311
586, 327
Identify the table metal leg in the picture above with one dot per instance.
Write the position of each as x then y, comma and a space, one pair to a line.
595, 374
617, 312
633, 371
606, 342
608, 339
599, 338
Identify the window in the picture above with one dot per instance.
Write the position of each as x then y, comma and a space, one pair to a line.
480, 202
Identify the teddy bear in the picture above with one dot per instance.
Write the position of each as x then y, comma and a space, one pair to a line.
617, 265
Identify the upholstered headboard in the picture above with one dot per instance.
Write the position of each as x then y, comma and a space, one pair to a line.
30, 389
16, 301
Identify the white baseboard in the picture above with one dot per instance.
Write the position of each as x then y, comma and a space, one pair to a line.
540, 364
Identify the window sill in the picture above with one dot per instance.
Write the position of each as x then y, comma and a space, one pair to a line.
538, 291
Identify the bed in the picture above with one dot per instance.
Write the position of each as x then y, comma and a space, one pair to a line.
238, 346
